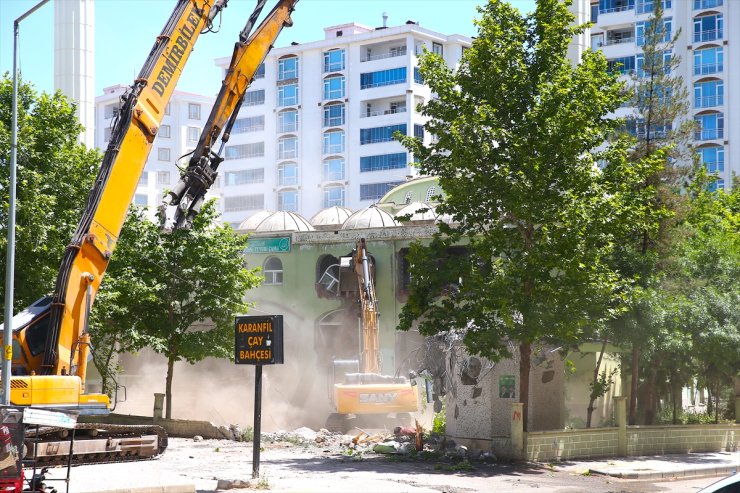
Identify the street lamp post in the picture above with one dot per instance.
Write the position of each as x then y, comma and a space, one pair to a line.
7, 355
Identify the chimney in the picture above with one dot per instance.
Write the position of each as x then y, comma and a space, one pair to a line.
385, 19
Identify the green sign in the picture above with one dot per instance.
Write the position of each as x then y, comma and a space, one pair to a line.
269, 245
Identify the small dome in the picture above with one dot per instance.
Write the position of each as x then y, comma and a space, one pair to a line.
331, 217
251, 223
284, 221
416, 212
372, 217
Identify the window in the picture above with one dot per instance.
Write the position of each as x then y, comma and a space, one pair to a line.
431, 193
254, 98
287, 174
260, 73
244, 203
288, 95
647, 6
417, 76
437, 49
709, 61
163, 177
708, 28
642, 27
141, 199
334, 142
380, 134
194, 111
288, 147
244, 151
111, 110
333, 60
288, 68
193, 134
249, 124
383, 162
165, 131
375, 191
288, 121
107, 133
597, 41
709, 93
609, 6
713, 158
334, 115
288, 200
383, 78
334, 87
636, 127
333, 196
244, 177
418, 102
621, 65
419, 131
167, 109
273, 271
711, 126
163, 154
594, 12
334, 169
707, 4
144, 179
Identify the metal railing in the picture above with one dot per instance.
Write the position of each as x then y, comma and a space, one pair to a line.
380, 56
621, 8
709, 134
708, 35
618, 41
708, 68
383, 112
709, 101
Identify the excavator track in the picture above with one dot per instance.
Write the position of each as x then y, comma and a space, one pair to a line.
94, 443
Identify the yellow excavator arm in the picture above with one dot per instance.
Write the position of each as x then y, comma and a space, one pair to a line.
370, 358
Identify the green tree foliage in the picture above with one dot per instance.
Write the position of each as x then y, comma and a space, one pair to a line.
516, 127
184, 288
54, 175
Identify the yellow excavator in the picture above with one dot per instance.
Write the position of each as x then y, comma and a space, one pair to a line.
51, 342
367, 394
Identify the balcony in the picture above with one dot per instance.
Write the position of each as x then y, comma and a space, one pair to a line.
707, 4
709, 134
708, 68
381, 56
618, 41
708, 35
709, 101
381, 107
381, 51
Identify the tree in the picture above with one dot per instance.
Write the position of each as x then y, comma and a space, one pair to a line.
516, 129
192, 283
54, 175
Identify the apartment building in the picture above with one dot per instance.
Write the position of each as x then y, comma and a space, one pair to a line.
178, 135
316, 128
709, 47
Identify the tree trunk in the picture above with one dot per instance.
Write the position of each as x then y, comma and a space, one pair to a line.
593, 396
525, 350
652, 398
633, 384
168, 386
716, 403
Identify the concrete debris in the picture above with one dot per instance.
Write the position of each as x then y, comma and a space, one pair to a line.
197, 438
231, 484
461, 451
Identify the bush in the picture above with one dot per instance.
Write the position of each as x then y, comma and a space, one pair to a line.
440, 418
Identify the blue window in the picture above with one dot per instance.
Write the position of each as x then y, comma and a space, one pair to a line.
642, 26
709, 93
287, 174
287, 201
375, 191
711, 126
333, 60
288, 95
288, 68
334, 87
334, 115
334, 196
419, 131
647, 6
380, 134
334, 142
706, 4
334, 169
383, 162
609, 6
260, 73
417, 76
288, 121
383, 78
249, 124
640, 63
621, 65
713, 158
709, 61
254, 98
708, 28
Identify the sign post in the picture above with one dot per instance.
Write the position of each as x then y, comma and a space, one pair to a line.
258, 341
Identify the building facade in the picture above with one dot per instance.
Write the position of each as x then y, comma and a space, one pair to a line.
178, 135
317, 126
709, 47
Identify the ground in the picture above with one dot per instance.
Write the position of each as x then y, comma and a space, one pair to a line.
294, 464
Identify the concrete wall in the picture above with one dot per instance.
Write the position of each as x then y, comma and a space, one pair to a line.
647, 440
570, 444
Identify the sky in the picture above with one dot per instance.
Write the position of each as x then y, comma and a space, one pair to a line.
125, 31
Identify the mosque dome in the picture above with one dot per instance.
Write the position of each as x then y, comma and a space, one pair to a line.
251, 223
330, 218
416, 212
372, 217
284, 221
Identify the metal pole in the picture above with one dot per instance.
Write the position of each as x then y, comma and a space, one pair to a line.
7, 356
257, 421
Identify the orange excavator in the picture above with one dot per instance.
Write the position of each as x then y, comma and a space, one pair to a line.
51, 343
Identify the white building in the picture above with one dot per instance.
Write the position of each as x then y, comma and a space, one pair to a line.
316, 128
709, 46
178, 135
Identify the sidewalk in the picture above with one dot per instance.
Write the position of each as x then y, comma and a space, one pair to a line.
659, 466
